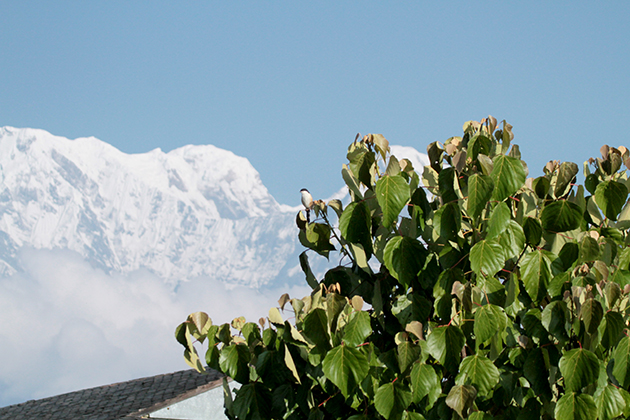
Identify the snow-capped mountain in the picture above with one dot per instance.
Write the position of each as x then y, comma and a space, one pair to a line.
195, 211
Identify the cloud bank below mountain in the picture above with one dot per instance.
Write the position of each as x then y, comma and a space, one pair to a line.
65, 325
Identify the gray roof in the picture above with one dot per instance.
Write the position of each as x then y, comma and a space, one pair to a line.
125, 400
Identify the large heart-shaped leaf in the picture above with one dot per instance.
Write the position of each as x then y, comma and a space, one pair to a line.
480, 372
580, 368
487, 258
461, 398
445, 345
576, 406
554, 318
536, 274
610, 402
612, 330
447, 221
592, 314
498, 220
404, 257
536, 371
610, 197
315, 328
425, 382
345, 367
621, 355
508, 175
392, 194
253, 401
512, 240
561, 216
392, 399
355, 225
357, 329
488, 320
479, 193
407, 355
234, 362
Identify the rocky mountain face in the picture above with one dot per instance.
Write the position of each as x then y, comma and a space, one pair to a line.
195, 211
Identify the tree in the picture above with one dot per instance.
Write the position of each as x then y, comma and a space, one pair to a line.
476, 293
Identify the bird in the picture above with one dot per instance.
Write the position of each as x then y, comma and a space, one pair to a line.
307, 202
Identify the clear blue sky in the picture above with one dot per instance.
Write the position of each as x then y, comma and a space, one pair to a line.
289, 84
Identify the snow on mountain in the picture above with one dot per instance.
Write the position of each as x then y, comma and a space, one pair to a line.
195, 211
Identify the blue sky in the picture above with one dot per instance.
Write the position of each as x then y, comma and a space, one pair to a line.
289, 84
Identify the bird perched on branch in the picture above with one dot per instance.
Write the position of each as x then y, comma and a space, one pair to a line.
307, 202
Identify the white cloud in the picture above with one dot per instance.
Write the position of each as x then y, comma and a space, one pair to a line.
66, 326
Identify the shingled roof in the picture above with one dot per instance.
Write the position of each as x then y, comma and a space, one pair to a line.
122, 401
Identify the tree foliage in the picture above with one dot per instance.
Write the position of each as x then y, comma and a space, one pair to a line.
471, 291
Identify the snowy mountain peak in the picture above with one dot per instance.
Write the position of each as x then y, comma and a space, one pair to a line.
161, 211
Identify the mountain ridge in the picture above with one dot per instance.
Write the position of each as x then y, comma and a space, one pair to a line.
155, 210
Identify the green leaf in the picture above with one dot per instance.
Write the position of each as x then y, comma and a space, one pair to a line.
290, 364
351, 182
566, 175
575, 406
589, 249
447, 221
407, 354
461, 398
234, 362
536, 370
498, 220
610, 197
345, 367
317, 237
335, 303
592, 314
446, 183
355, 225
315, 328
533, 231
512, 240
590, 182
445, 345
392, 194
480, 189
425, 382
536, 274
480, 372
478, 144
554, 317
486, 258
569, 254
610, 403
362, 163
580, 368
558, 283
621, 356
613, 327
488, 320
540, 186
306, 268
561, 216
253, 401
357, 329
508, 175
391, 400
228, 402
404, 257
